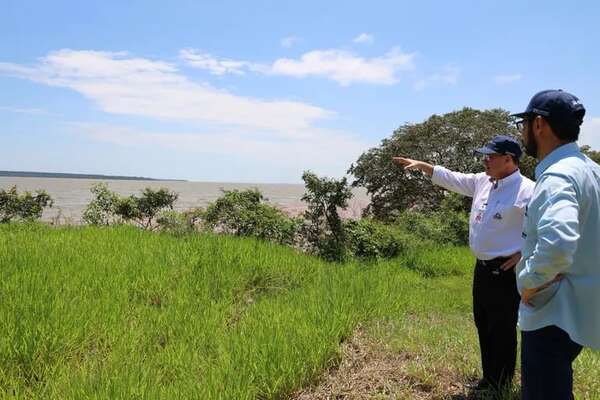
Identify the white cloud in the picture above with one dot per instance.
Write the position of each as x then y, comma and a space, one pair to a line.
214, 65
506, 79
345, 67
30, 111
289, 41
121, 84
364, 38
447, 76
273, 136
297, 154
338, 65
590, 133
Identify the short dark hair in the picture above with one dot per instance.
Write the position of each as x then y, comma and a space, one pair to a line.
515, 159
565, 131
568, 132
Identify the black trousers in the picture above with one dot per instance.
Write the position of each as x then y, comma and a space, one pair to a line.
495, 310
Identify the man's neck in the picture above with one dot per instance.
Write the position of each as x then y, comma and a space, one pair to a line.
544, 151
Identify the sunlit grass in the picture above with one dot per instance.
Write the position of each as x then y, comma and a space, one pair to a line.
122, 313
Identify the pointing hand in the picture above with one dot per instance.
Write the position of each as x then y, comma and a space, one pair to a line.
407, 163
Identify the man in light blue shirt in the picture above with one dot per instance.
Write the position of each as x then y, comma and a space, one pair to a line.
558, 276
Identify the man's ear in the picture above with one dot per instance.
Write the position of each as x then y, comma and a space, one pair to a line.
546, 130
538, 127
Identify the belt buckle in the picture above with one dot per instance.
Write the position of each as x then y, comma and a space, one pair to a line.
496, 271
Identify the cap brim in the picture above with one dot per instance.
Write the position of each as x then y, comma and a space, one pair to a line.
520, 115
485, 150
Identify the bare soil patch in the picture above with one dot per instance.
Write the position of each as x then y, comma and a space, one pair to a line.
368, 370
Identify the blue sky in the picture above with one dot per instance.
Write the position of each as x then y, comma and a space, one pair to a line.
256, 91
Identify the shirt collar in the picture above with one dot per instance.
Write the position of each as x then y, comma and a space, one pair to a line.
507, 180
556, 155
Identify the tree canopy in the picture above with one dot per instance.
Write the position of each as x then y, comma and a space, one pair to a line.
448, 140
593, 154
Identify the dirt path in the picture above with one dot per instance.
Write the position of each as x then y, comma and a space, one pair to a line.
368, 371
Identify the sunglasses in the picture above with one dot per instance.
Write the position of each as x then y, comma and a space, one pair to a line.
489, 157
520, 124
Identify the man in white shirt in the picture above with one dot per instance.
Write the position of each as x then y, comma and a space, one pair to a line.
500, 195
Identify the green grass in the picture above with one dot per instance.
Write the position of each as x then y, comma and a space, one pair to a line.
121, 313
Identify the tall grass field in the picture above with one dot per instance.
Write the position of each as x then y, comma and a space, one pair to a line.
119, 313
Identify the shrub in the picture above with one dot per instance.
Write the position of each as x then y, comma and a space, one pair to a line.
108, 207
175, 223
441, 227
244, 213
102, 208
323, 229
151, 203
25, 206
453, 219
367, 238
455, 227
143, 209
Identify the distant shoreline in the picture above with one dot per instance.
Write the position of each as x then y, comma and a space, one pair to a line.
26, 174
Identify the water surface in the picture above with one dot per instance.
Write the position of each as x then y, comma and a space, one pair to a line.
71, 196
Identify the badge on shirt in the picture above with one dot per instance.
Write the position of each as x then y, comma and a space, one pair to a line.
498, 216
479, 215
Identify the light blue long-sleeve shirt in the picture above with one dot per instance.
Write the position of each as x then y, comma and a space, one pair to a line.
562, 236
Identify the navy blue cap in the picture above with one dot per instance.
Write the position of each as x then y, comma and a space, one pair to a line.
501, 144
557, 106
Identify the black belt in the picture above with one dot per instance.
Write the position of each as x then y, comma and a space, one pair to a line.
493, 265
493, 262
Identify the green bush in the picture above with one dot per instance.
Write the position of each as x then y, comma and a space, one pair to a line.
244, 213
179, 223
320, 230
367, 238
102, 208
143, 209
108, 207
25, 206
455, 227
453, 214
323, 230
151, 202
441, 227
174, 222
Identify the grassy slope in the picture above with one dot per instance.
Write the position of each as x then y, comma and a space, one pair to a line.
120, 313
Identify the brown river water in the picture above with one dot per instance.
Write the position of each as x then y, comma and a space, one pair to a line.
71, 196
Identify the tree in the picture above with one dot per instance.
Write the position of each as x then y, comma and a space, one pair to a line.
108, 207
26, 206
323, 229
101, 210
143, 209
447, 140
594, 155
245, 213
